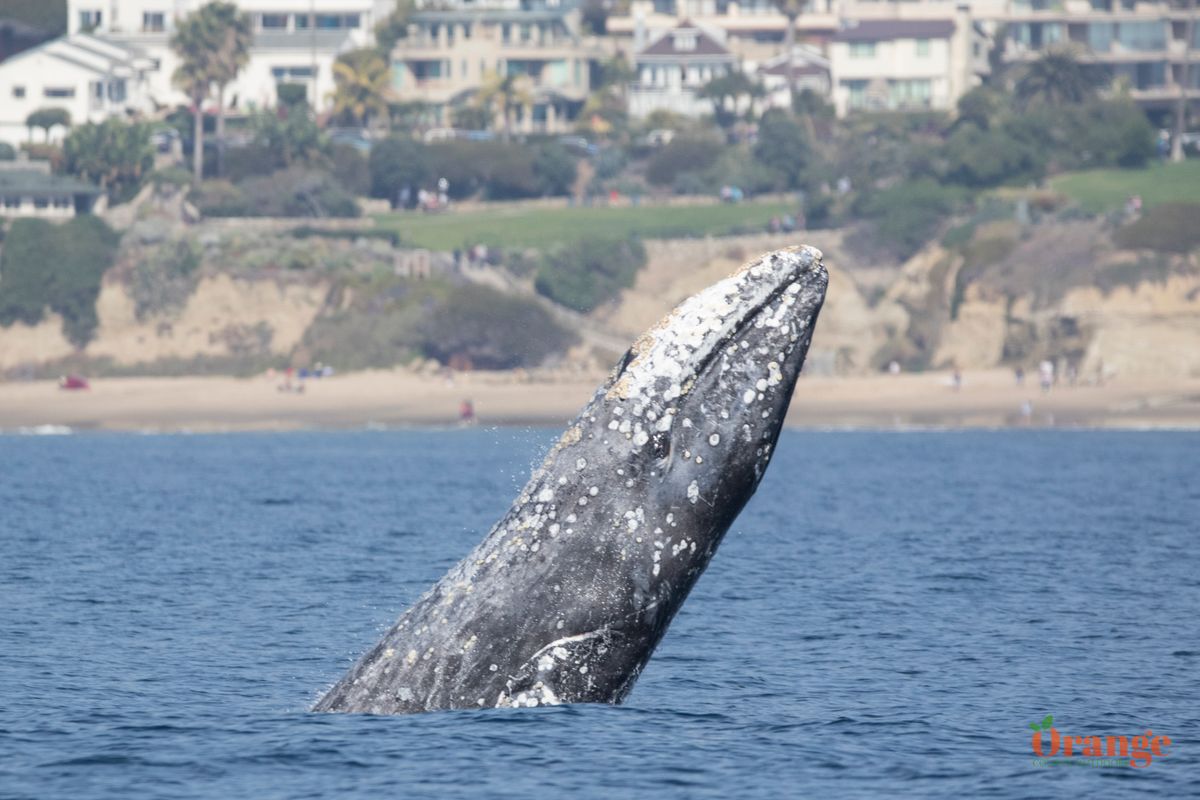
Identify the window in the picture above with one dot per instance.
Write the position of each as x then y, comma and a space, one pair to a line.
154, 22
11, 201
273, 22
862, 49
18, 92
59, 91
857, 91
336, 21
62, 202
922, 48
285, 74
302, 22
41, 202
89, 20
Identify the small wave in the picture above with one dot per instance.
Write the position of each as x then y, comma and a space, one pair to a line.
45, 430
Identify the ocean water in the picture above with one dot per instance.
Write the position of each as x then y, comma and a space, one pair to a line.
886, 618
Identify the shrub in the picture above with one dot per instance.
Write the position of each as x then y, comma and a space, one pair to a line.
7, 152
395, 164
295, 192
491, 329
1169, 228
56, 267
583, 274
683, 154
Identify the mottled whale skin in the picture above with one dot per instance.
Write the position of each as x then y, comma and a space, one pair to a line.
567, 597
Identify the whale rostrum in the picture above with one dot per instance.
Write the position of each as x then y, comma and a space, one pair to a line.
566, 598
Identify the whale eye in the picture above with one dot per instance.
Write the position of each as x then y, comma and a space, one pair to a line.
661, 444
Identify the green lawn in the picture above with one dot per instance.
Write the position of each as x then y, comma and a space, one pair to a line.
1107, 189
522, 226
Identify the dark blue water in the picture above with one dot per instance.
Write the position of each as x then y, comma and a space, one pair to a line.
886, 618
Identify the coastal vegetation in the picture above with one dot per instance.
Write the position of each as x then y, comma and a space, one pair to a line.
81, 250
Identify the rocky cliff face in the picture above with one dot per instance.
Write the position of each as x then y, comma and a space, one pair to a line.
1009, 296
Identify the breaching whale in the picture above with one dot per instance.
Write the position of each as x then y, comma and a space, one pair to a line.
566, 598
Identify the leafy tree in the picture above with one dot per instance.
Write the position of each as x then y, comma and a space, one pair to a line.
47, 118
783, 147
114, 154
1057, 78
396, 163
586, 273
80, 250
233, 34
7, 152
555, 169
362, 80
983, 158
728, 89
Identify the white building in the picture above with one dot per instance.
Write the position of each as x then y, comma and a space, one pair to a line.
295, 41
905, 64
675, 66
89, 78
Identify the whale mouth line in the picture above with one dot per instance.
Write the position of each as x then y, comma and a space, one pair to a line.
722, 345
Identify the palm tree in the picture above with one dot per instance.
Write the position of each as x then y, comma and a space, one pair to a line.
508, 92
234, 35
362, 81
192, 41
1057, 78
790, 9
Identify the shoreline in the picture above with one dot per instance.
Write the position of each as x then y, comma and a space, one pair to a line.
404, 399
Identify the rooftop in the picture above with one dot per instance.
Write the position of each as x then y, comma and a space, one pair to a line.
32, 182
684, 41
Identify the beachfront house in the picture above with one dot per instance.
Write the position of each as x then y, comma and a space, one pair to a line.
450, 54
674, 66
89, 78
906, 64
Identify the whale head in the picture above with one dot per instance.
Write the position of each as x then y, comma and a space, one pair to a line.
654, 470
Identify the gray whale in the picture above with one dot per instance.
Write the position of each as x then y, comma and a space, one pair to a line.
566, 598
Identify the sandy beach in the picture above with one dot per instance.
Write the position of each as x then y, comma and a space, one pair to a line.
401, 397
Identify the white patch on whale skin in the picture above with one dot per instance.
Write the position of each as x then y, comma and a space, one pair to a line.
693, 492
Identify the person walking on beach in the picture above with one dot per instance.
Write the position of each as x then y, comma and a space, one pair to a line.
1046, 375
